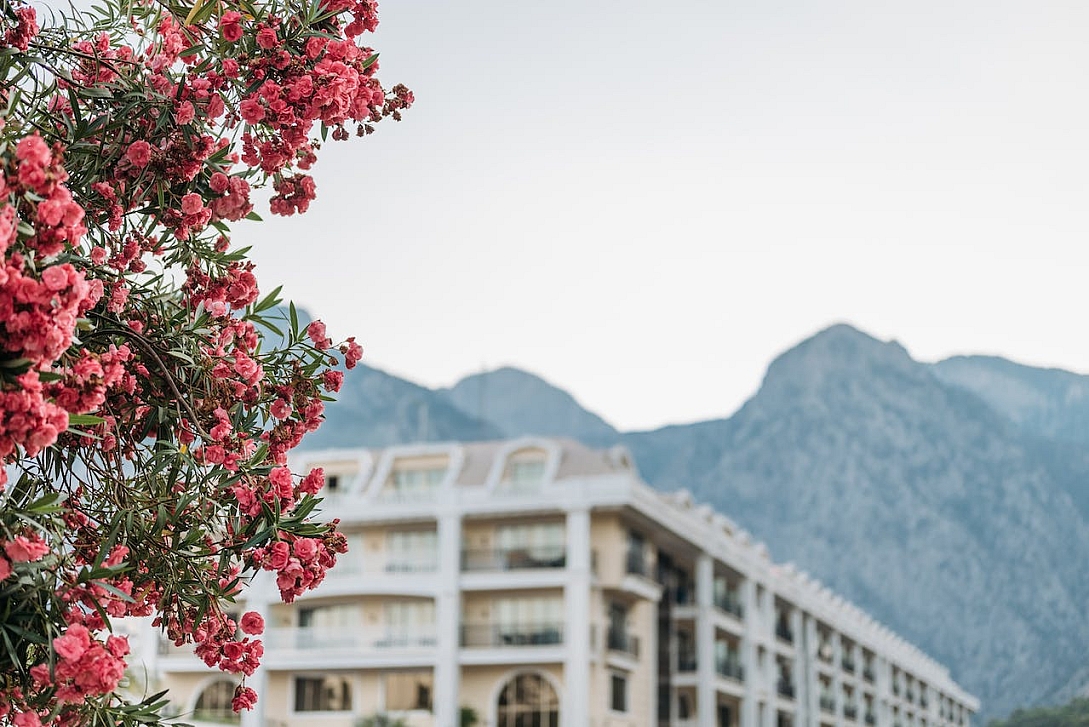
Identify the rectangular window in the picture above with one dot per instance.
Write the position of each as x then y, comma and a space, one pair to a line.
409, 623
325, 626
332, 617
529, 610
637, 557
410, 615
322, 694
529, 621
409, 690
350, 563
526, 473
536, 545
524, 470
411, 551
618, 697
413, 483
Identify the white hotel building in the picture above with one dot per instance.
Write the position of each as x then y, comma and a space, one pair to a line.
543, 584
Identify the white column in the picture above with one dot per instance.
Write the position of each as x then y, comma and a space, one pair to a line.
837, 682
705, 641
447, 618
753, 618
807, 643
575, 711
650, 654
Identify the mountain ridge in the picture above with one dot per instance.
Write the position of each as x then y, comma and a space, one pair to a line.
954, 512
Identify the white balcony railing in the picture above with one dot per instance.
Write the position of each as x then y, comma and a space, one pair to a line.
350, 568
358, 639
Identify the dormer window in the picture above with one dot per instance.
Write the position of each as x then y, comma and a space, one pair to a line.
525, 468
338, 476
415, 479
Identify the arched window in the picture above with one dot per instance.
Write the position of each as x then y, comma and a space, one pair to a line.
528, 700
214, 703
524, 469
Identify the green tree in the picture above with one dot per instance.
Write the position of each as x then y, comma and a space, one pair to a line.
1073, 714
145, 420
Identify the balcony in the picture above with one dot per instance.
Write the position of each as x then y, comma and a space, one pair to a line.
506, 559
325, 638
683, 596
617, 640
785, 689
492, 635
828, 704
349, 567
637, 564
729, 668
783, 632
412, 564
850, 711
403, 496
686, 662
729, 603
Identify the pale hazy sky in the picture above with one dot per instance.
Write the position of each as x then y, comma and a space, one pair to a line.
646, 202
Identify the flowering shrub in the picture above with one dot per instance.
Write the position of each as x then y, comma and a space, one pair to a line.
146, 412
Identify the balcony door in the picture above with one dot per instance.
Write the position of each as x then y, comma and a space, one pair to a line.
409, 623
536, 545
325, 626
529, 621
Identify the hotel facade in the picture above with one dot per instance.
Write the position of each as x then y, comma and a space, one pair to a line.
539, 583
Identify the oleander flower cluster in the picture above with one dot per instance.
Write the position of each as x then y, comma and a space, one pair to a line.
149, 393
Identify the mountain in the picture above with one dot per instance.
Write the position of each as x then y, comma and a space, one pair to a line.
674, 457
949, 500
1074, 714
1050, 403
920, 502
377, 409
518, 403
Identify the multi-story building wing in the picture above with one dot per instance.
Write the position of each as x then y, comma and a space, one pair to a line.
543, 584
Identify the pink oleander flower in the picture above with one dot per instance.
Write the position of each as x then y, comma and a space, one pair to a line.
316, 332
24, 550
266, 38
244, 698
252, 623
313, 482
192, 204
230, 26
353, 352
332, 380
139, 153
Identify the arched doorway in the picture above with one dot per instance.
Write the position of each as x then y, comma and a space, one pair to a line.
214, 703
528, 700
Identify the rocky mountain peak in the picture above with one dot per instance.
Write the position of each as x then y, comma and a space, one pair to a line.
839, 367
519, 403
